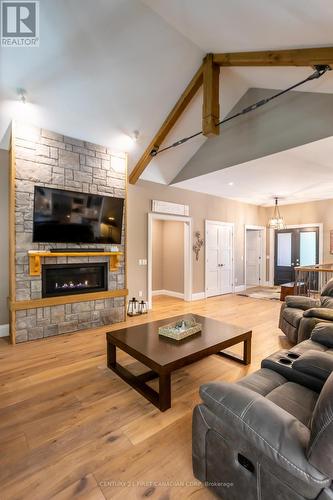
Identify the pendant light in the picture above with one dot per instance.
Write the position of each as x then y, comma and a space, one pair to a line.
276, 221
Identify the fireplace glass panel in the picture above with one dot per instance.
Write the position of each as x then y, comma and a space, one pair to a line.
68, 279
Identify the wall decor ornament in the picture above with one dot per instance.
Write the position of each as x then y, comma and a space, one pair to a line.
198, 244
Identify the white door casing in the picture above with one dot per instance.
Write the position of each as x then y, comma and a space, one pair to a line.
248, 228
187, 253
253, 256
212, 260
219, 258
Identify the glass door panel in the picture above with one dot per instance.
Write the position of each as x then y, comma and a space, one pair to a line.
284, 249
308, 248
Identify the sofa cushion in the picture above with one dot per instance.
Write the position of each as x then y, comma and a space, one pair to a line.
293, 316
306, 345
297, 400
326, 302
300, 302
323, 333
262, 381
319, 312
328, 289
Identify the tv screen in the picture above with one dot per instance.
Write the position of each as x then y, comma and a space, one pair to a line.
70, 217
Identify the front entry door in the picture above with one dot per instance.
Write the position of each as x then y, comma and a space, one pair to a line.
219, 258
294, 247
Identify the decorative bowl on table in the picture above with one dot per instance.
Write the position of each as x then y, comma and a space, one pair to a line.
180, 329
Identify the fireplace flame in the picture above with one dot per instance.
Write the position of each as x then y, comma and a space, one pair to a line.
72, 284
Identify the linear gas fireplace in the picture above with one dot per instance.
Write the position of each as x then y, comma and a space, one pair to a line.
67, 279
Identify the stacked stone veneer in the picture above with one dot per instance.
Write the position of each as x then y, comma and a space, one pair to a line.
49, 159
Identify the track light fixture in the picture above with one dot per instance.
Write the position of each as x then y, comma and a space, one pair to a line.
320, 70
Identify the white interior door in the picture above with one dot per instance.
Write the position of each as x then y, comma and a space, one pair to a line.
219, 258
253, 256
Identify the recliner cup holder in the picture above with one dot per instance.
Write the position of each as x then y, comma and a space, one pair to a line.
285, 361
293, 355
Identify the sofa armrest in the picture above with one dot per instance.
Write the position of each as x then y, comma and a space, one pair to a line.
319, 312
300, 302
270, 429
315, 363
323, 334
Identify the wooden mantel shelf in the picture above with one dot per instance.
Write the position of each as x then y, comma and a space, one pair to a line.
66, 299
36, 255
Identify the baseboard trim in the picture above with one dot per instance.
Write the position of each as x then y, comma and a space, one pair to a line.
169, 293
198, 296
240, 288
4, 330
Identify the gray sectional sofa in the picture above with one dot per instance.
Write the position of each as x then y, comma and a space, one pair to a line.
299, 315
270, 435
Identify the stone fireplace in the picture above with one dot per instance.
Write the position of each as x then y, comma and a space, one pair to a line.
68, 279
70, 293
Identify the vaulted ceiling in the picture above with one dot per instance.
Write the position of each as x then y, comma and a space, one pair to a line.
109, 67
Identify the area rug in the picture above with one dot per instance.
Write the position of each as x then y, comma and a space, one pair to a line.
262, 292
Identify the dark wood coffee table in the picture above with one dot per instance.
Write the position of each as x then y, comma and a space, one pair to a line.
164, 355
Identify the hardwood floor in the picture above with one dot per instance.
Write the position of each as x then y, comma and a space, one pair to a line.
70, 428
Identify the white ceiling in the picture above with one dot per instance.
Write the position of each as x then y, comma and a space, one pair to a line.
298, 175
237, 25
109, 67
104, 68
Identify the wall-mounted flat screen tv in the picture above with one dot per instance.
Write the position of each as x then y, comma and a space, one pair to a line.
69, 217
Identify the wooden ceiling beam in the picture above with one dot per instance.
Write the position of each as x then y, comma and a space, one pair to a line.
210, 105
293, 57
168, 123
208, 75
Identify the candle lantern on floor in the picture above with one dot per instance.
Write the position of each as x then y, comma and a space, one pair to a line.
133, 307
143, 309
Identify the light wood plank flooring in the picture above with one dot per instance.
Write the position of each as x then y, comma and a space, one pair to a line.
70, 428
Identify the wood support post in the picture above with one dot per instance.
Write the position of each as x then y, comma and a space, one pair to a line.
210, 105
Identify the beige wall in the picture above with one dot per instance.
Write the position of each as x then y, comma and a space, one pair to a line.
310, 213
173, 256
168, 256
157, 255
4, 168
202, 207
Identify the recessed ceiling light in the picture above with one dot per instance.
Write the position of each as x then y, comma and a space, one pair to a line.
230, 183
